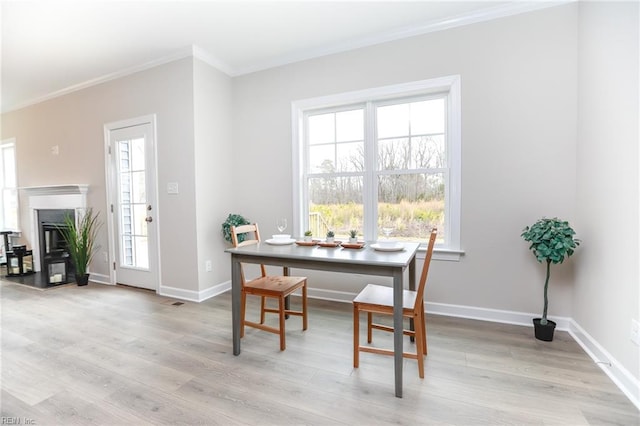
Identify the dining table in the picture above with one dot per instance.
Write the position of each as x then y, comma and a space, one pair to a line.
366, 261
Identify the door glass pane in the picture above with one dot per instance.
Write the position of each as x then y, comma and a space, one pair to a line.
138, 186
137, 154
133, 203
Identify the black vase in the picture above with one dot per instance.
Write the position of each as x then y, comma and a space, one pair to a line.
82, 279
544, 332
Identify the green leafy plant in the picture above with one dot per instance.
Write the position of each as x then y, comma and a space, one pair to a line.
233, 220
308, 233
353, 233
80, 239
552, 240
331, 234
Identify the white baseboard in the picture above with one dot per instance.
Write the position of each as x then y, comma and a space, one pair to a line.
628, 384
493, 315
192, 295
99, 278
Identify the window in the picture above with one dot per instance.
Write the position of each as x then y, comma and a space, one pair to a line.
9, 192
380, 158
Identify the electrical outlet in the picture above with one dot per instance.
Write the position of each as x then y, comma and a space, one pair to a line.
635, 332
207, 266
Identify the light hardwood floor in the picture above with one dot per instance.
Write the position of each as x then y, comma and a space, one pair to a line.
105, 355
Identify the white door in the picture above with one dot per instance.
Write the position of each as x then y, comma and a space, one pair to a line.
132, 192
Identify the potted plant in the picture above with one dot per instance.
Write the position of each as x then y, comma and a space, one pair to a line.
308, 235
233, 220
551, 241
353, 236
330, 236
80, 238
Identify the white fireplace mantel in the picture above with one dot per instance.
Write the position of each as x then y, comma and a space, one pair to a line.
76, 188
71, 196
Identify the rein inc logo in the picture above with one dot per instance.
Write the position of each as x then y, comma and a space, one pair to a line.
16, 421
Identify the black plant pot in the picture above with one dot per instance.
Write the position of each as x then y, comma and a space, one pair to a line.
544, 332
82, 279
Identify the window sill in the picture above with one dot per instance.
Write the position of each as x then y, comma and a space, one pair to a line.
441, 254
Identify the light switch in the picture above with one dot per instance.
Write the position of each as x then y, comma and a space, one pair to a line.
172, 188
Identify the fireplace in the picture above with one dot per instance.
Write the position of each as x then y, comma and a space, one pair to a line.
47, 208
54, 255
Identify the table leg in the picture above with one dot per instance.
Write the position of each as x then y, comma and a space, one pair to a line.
412, 286
236, 289
397, 330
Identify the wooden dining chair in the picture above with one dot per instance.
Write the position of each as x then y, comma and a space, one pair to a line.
377, 299
267, 286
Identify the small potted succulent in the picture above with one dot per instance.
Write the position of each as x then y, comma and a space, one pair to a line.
308, 235
353, 236
551, 241
330, 236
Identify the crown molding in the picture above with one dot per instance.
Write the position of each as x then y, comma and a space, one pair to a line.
180, 54
488, 14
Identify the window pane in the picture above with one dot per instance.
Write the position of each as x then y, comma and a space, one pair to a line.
10, 205
9, 165
350, 157
427, 117
321, 128
411, 204
321, 159
335, 204
350, 125
394, 154
428, 152
393, 120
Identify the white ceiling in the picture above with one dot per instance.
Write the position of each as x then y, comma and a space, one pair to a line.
54, 47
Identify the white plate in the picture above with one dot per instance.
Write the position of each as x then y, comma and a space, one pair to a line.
280, 241
397, 247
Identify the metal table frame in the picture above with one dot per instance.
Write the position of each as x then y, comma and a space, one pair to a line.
364, 261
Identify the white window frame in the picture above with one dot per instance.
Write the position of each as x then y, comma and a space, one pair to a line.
449, 85
4, 145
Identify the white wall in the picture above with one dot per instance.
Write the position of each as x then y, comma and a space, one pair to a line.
213, 170
75, 123
518, 148
606, 291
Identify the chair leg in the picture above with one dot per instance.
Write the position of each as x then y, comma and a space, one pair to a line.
356, 336
243, 308
283, 344
424, 328
420, 344
369, 328
304, 306
263, 305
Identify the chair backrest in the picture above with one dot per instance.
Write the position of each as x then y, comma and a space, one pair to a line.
425, 269
252, 237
